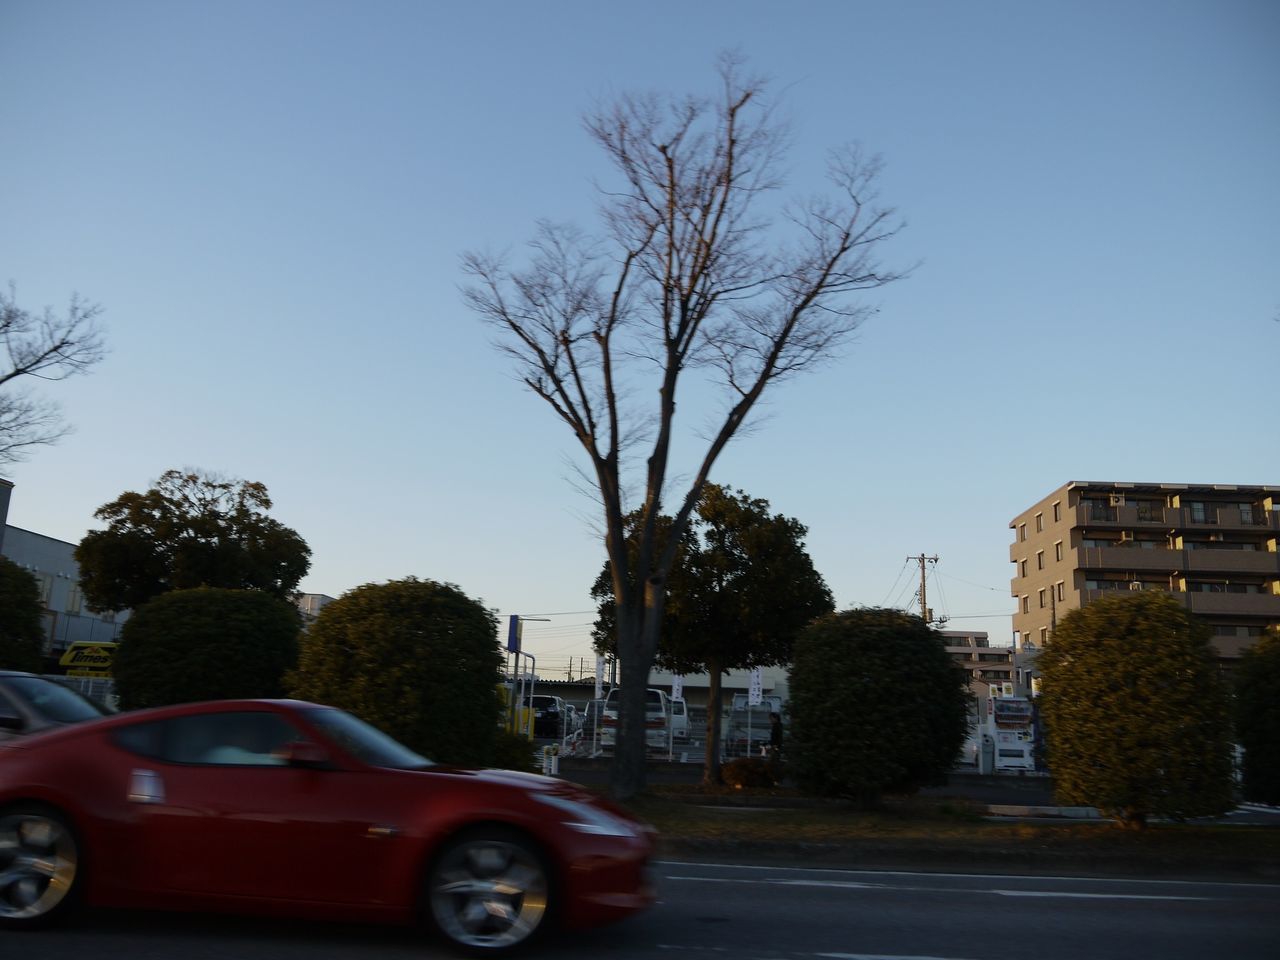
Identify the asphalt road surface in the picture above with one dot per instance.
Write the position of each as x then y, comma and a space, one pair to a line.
735, 912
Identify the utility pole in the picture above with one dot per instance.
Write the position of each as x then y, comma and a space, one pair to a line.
925, 613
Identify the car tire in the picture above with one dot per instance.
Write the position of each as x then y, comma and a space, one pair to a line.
40, 866
488, 891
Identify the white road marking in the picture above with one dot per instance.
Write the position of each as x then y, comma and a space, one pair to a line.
1021, 878
854, 885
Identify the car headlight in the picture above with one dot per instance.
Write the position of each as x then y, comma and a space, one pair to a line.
588, 819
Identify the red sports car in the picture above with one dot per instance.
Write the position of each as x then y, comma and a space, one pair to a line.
289, 808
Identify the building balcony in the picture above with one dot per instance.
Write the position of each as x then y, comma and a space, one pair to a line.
1130, 559
1225, 517
1209, 604
1233, 604
1231, 561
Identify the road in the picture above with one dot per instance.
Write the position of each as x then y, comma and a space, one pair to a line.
713, 912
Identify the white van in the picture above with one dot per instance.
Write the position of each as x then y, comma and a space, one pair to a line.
655, 719
679, 719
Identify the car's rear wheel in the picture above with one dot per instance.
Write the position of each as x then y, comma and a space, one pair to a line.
489, 891
39, 866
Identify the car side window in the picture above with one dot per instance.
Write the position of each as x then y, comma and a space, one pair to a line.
229, 739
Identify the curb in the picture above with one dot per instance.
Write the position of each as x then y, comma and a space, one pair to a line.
1065, 813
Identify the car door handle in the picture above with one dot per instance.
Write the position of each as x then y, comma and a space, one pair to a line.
146, 786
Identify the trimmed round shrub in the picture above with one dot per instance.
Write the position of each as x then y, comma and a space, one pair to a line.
1135, 711
877, 705
415, 658
1258, 719
21, 633
206, 644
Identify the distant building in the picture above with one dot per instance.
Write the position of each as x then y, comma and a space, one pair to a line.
52, 562
310, 605
982, 663
1213, 547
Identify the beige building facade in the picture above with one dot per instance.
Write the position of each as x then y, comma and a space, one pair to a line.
1213, 547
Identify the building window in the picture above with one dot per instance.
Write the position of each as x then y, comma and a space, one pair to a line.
1026, 604
1039, 523
1039, 559
1044, 636
1022, 532
1198, 513
1057, 551
1057, 512
45, 582
1022, 565
1246, 513
74, 599
1041, 598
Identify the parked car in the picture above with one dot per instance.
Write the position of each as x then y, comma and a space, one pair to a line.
655, 719
747, 728
549, 716
573, 722
31, 703
294, 809
679, 719
591, 716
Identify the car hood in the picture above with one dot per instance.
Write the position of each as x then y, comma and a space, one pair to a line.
509, 778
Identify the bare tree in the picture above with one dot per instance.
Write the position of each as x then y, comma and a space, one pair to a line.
43, 347
693, 273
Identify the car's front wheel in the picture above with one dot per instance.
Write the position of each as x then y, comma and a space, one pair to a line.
39, 866
489, 891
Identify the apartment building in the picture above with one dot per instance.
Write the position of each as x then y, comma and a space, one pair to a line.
982, 663
1213, 547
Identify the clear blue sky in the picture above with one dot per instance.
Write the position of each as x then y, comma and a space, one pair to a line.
269, 200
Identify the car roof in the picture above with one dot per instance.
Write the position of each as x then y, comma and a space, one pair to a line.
130, 717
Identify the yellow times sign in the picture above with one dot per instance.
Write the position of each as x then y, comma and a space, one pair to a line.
84, 659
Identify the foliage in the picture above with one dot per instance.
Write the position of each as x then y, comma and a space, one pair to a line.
21, 631
876, 705
511, 751
741, 587
44, 347
1258, 718
415, 658
747, 773
189, 530
699, 285
1135, 711
206, 644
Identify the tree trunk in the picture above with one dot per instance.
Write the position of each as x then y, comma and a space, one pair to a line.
711, 767
637, 644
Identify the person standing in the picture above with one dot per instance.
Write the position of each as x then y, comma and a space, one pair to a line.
775, 737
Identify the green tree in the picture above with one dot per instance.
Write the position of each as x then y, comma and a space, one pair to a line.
702, 285
1135, 711
206, 644
877, 705
40, 347
741, 587
1258, 718
21, 632
416, 658
189, 530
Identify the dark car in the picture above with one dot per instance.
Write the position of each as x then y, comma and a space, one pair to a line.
30, 703
550, 718
294, 809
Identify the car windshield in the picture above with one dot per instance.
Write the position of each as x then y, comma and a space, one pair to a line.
364, 742
55, 702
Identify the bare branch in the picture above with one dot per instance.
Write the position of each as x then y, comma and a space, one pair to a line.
691, 277
46, 347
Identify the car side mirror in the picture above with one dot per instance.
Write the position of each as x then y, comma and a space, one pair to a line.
304, 753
